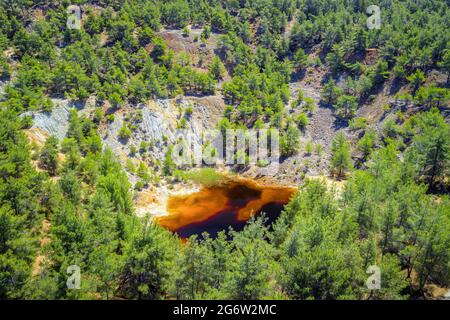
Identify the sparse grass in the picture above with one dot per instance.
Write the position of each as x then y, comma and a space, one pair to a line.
205, 176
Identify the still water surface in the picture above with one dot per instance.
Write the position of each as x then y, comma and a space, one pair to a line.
228, 204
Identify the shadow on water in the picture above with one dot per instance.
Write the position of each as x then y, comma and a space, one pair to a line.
214, 209
226, 219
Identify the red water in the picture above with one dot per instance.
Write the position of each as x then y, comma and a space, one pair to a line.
229, 204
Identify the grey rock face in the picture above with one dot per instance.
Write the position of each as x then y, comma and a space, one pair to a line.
55, 122
154, 127
157, 125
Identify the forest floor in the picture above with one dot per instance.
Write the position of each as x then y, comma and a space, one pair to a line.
44, 240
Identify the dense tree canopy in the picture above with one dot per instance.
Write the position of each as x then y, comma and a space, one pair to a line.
70, 202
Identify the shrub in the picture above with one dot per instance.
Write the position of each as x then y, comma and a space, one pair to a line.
309, 105
124, 133
188, 112
110, 117
302, 120
186, 31
309, 147
133, 150
26, 122
346, 106
358, 123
